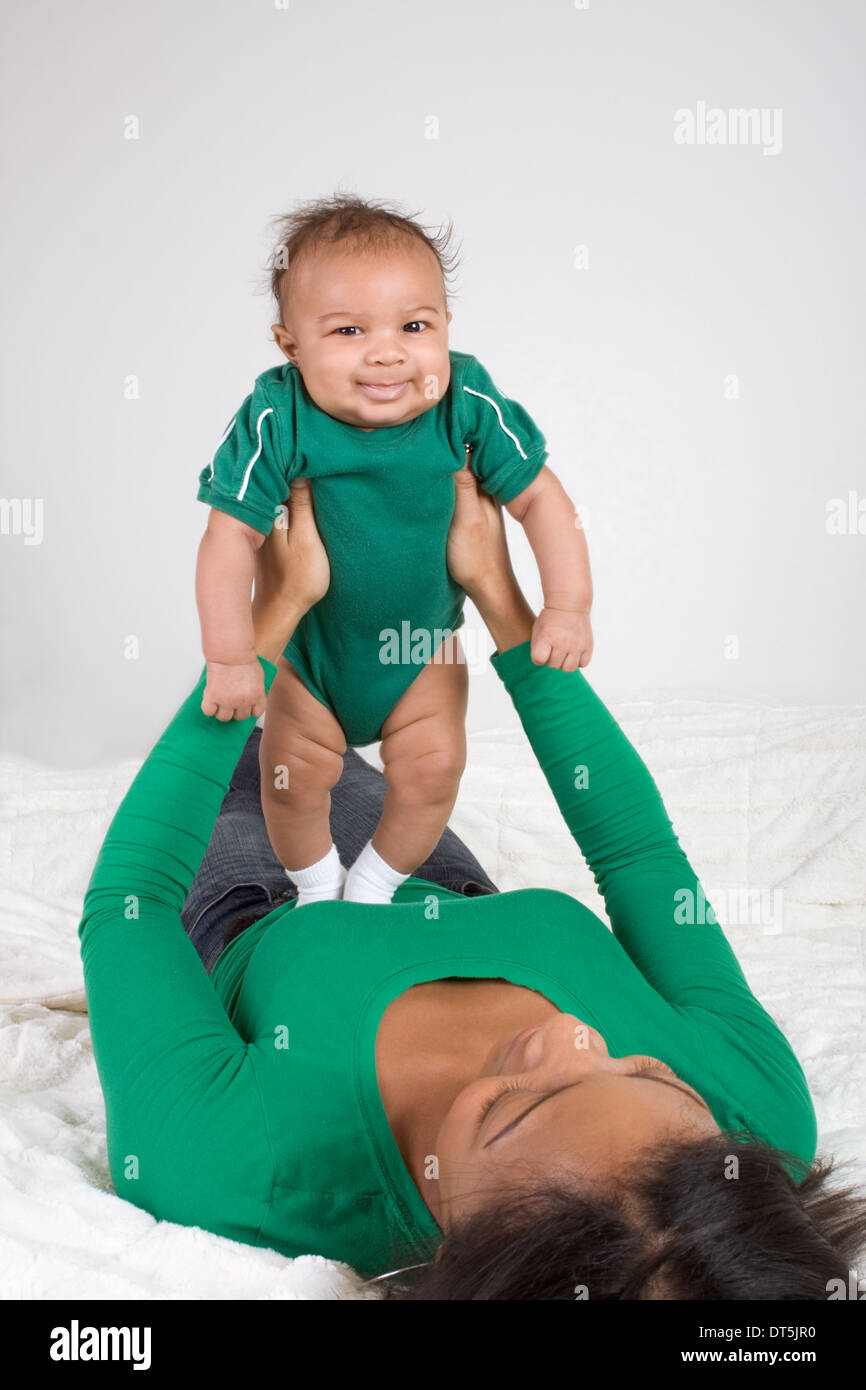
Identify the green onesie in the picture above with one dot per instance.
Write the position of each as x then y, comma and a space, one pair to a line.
383, 503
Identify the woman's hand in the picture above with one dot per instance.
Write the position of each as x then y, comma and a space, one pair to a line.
478, 560
292, 573
477, 550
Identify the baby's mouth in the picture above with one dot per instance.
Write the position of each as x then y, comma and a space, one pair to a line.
384, 393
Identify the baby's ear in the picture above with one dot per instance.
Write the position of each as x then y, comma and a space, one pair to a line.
283, 341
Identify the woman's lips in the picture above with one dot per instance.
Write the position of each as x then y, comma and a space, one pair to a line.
384, 393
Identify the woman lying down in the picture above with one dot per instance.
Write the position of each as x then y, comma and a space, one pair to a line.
478, 1094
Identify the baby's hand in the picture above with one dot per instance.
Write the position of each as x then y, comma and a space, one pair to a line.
234, 692
561, 638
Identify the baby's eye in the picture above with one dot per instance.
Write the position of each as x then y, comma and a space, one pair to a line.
421, 322
348, 328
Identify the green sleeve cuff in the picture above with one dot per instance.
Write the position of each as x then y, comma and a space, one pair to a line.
520, 479
241, 511
510, 665
270, 671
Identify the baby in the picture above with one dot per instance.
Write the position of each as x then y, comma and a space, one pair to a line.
379, 413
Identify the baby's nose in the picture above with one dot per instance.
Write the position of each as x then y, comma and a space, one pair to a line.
387, 354
386, 341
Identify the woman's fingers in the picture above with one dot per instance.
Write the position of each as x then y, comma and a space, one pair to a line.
305, 545
477, 549
300, 503
302, 517
467, 487
472, 504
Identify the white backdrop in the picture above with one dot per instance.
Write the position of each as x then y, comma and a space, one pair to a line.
683, 320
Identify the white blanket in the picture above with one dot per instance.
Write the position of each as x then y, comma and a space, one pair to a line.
769, 804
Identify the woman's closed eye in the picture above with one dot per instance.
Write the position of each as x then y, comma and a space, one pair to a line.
645, 1066
491, 1100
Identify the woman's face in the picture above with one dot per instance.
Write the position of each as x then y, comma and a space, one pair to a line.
561, 1106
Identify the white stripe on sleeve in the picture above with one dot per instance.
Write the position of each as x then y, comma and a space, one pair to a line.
502, 423
249, 467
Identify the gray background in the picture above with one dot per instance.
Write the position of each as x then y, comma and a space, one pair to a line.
707, 515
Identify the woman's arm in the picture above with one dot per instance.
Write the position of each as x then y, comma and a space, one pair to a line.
161, 830
172, 1066
654, 900
175, 1074
616, 815
604, 790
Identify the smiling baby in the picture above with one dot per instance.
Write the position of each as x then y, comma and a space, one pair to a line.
379, 413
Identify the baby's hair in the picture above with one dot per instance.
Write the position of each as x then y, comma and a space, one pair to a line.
371, 226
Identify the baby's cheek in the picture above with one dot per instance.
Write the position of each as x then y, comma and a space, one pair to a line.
430, 397
436, 380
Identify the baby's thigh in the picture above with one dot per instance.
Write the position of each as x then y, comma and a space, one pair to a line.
302, 743
428, 723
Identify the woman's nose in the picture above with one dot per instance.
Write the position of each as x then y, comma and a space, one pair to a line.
565, 1041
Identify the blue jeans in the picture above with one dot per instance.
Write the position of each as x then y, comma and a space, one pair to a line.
241, 879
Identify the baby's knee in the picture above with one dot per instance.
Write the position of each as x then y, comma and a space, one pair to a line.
428, 774
299, 772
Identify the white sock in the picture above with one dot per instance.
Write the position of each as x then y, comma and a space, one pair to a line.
371, 879
320, 881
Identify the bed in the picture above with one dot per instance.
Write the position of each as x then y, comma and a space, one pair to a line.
769, 802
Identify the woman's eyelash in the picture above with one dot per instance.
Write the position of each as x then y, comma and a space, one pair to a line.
492, 1099
648, 1064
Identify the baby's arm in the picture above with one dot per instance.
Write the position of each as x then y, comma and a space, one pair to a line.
235, 686
561, 634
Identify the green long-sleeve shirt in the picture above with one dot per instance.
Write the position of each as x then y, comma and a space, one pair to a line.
247, 1103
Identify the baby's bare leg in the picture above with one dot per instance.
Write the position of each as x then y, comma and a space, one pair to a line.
300, 760
423, 749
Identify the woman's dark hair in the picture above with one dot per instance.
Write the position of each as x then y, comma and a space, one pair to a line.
371, 226
725, 1218
722, 1218
246, 919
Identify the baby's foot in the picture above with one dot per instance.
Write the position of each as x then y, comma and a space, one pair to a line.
321, 881
370, 879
